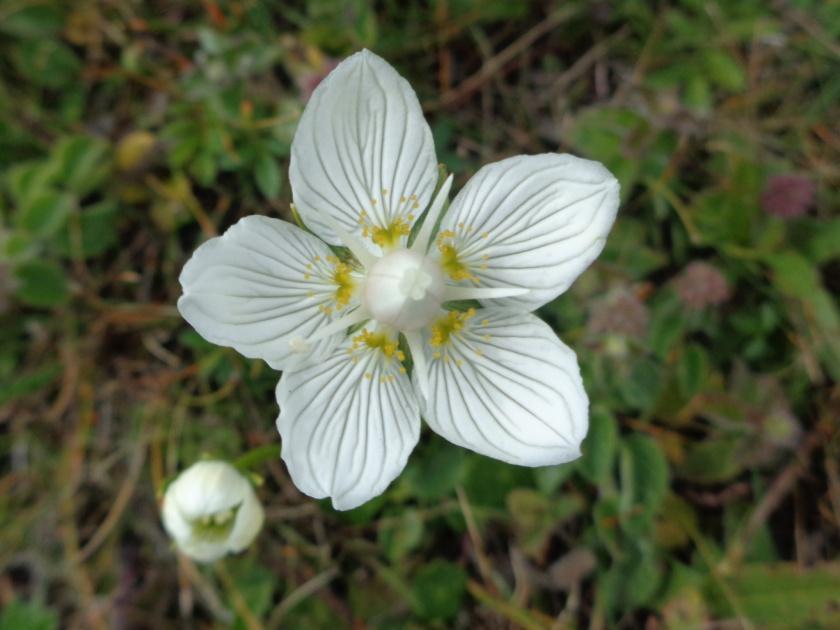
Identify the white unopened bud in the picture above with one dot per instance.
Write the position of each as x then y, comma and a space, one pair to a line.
211, 510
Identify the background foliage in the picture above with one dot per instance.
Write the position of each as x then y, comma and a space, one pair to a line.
708, 332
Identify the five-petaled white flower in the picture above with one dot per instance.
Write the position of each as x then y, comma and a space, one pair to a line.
494, 379
211, 510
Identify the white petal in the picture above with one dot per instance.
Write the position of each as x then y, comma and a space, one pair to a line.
348, 425
505, 386
249, 521
534, 221
261, 284
362, 145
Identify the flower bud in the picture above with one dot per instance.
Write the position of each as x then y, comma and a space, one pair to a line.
211, 510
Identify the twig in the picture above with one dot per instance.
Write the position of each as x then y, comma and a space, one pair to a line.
307, 589
496, 63
120, 503
583, 63
205, 590
475, 537
527, 619
250, 620
779, 489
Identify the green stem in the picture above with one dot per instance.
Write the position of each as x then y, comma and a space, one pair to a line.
257, 456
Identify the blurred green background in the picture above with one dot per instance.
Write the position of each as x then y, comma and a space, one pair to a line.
708, 331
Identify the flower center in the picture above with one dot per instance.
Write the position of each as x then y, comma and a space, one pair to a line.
449, 259
404, 290
214, 527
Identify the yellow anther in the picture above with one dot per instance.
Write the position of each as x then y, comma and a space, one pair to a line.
346, 284
484, 322
452, 265
448, 325
449, 260
368, 375
379, 341
389, 236
384, 191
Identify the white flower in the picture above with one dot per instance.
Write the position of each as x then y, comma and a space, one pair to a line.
211, 510
494, 379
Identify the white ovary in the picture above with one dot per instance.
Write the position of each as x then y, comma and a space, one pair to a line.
404, 290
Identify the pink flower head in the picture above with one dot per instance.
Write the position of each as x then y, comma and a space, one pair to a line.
787, 196
700, 285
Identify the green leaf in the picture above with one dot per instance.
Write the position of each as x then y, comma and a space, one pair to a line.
28, 179
667, 325
549, 478
47, 63
41, 283
267, 175
644, 473
254, 583
438, 589
698, 95
436, 470
817, 317
536, 516
711, 461
488, 481
81, 163
45, 213
641, 390
724, 70
19, 615
31, 19
599, 447
400, 534
819, 238
97, 230
692, 370
780, 595
626, 249
21, 386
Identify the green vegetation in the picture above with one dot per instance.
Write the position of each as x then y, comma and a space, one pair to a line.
708, 331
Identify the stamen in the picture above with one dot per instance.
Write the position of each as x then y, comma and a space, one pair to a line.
381, 341
424, 237
421, 368
481, 293
362, 254
450, 324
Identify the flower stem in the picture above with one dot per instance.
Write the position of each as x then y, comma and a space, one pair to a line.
256, 456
